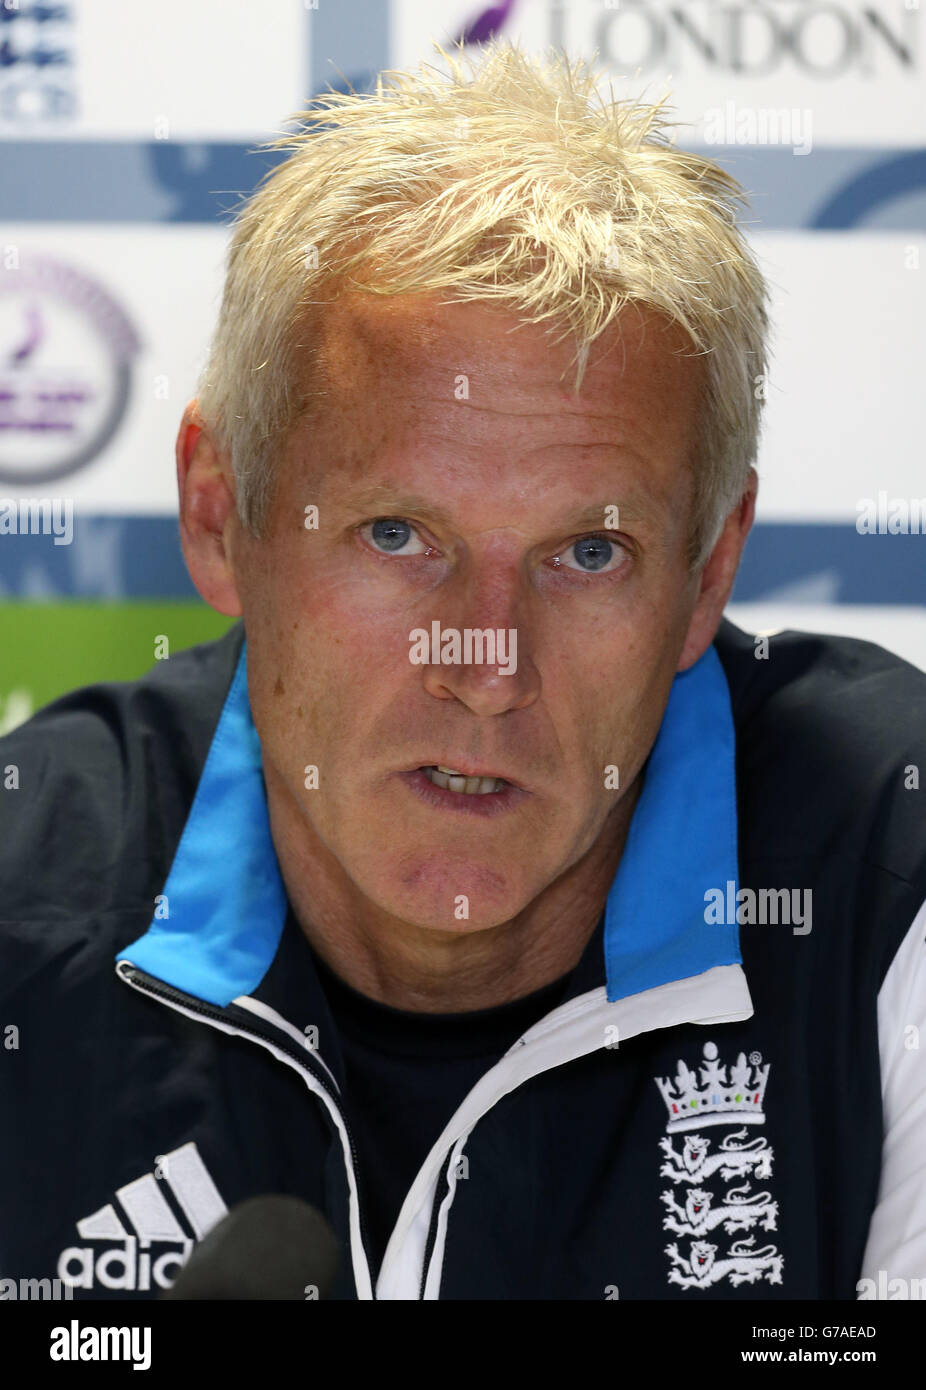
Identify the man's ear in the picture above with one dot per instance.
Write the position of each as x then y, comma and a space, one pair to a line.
717, 576
205, 486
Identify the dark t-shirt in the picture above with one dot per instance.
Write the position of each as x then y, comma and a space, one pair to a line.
406, 1074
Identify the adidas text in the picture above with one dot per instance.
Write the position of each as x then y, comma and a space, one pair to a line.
123, 1266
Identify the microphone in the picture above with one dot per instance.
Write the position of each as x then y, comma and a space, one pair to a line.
268, 1247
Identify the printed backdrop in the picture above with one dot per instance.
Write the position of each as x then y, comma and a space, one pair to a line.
128, 137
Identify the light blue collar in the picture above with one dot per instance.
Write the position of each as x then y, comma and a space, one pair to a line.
681, 844
218, 923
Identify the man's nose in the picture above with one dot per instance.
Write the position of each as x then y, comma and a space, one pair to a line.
480, 644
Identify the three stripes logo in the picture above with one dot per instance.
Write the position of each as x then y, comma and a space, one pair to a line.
174, 1206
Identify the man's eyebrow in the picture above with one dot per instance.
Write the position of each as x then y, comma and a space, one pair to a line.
605, 516
392, 501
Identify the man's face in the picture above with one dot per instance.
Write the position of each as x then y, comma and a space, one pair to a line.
458, 481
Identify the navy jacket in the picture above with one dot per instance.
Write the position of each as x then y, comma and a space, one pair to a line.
701, 1118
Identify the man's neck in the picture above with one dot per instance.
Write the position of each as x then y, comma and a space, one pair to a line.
431, 970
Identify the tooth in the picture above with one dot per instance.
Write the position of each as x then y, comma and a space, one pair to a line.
448, 771
466, 786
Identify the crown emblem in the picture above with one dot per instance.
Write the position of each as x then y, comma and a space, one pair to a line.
723, 1094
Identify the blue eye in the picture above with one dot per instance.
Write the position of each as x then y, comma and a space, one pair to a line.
594, 554
392, 534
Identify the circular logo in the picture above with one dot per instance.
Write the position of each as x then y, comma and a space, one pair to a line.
66, 350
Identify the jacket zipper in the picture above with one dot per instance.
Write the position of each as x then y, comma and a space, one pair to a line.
432, 1234
150, 985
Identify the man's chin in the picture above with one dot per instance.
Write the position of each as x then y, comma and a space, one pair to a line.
449, 893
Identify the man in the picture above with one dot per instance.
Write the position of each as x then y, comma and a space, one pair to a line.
553, 937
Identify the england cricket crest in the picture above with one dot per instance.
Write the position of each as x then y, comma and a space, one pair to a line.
702, 1165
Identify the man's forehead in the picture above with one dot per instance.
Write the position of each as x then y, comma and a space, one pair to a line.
388, 413
385, 336
363, 335
401, 445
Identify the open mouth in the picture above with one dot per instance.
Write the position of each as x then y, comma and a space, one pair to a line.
453, 780
464, 791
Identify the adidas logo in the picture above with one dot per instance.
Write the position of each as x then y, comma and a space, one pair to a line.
142, 1217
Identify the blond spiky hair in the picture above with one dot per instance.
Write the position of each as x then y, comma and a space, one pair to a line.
513, 182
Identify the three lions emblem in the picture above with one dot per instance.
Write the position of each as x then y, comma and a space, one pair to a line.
715, 1096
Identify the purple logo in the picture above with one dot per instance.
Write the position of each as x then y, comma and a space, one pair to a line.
487, 24
66, 350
